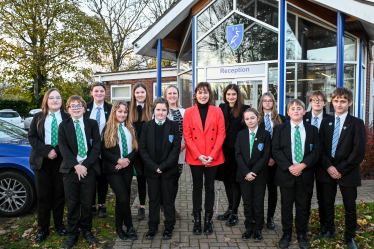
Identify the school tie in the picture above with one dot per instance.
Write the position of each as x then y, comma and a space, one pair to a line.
335, 137
316, 122
81, 147
54, 136
159, 123
251, 145
98, 116
268, 125
124, 142
298, 148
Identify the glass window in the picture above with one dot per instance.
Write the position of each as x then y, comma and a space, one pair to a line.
259, 44
251, 91
121, 92
185, 58
185, 80
200, 75
273, 79
218, 88
212, 15
263, 10
9, 114
164, 85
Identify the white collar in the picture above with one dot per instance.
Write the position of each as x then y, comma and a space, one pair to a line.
80, 120
253, 131
342, 117
319, 115
267, 114
159, 121
58, 112
301, 125
96, 106
139, 104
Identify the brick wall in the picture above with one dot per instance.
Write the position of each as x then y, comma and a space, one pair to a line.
148, 83
368, 83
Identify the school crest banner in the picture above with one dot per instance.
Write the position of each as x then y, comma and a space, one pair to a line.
234, 35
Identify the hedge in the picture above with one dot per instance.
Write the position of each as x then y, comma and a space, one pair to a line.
21, 106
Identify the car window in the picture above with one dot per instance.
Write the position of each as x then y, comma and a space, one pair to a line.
10, 132
9, 114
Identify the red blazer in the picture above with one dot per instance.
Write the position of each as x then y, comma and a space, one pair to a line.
206, 142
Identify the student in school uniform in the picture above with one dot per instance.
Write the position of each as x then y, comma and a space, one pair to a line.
252, 153
296, 149
79, 142
118, 150
159, 147
318, 101
99, 110
269, 119
140, 112
343, 149
45, 160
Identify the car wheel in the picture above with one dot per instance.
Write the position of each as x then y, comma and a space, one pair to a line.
17, 193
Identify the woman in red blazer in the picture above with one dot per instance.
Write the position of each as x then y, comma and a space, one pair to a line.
204, 132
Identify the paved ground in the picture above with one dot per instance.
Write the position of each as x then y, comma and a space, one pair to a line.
223, 236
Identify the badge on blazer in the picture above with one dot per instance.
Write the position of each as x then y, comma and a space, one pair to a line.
311, 146
91, 141
171, 138
260, 146
307, 120
88, 110
106, 112
344, 127
330, 123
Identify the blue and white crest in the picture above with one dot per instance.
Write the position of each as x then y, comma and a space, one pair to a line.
311, 146
307, 120
330, 123
260, 146
88, 110
171, 138
234, 35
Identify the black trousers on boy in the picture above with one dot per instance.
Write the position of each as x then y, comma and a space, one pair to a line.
79, 195
101, 186
272, 191
142, 189
50, 190
253, 199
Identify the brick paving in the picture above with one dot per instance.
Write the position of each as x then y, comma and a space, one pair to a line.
223, 236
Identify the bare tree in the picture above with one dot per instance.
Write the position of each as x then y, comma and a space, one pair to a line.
157, 8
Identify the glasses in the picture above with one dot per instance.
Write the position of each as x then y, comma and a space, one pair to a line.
267, 101
75, 106
317, 100
54, 98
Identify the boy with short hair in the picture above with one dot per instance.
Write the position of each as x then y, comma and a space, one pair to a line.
343, 149
79, 142
296, 150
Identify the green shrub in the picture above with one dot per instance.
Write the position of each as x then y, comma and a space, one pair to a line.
21, 106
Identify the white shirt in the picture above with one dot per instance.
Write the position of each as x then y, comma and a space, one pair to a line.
302, 135
139, 104
128, 139
162, 122
319, 119
81, 124
102, 115
342, 120
271, 122
250, 136
48, 126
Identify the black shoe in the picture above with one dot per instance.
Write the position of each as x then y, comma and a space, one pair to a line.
303, 241
351, 244
89, 237
225, 215
247, 234
257, 236
325, 235
208, 229
42, 235
131, 233
285, 240
151, 234
141, 214
233, 220
197, 223
102, 211
71, 240
270, 223
122, 234
61, 230
167, 234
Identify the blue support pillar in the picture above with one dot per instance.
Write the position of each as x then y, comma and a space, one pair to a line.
193, 54
340, 50
159, 59
282, 56
359, 83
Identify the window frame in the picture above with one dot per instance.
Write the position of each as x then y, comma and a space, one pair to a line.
112, 99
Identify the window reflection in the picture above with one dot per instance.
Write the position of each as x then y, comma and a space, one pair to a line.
185, 80
218, 88
263, 10
185, 59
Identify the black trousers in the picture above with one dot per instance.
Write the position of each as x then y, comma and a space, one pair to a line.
272, 191
233, 194
349, 200
101, 186
79, 195
295, 194
198, 174
160, 188
121, 185
142, 189
320, 201
50, 190
253, 199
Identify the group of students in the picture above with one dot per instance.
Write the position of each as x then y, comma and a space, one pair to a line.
247, 149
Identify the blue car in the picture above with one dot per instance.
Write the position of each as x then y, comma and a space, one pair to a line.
17, 183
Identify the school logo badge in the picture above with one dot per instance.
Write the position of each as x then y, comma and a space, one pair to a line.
234, 35
311, 146
171, 138
260, 146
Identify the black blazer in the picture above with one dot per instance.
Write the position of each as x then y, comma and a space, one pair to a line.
349, 153
36, 137
260, 156
67, 140
111, 155
232, 126
282, 154
170, 155
262, 125
107, 110
308, 117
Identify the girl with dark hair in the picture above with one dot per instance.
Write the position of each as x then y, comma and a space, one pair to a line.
232, 109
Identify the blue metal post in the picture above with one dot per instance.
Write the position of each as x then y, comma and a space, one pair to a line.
193, 54
282, 55
359, 81
159, 59
340, 50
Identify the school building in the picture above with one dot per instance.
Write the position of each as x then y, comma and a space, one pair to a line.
290, 48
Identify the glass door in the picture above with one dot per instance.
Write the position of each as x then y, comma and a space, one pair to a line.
251, 90
218, 86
